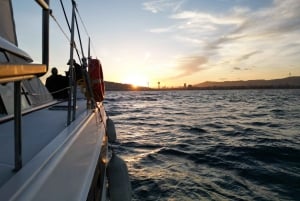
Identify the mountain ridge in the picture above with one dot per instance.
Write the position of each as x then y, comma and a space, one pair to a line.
288, 82
282, 82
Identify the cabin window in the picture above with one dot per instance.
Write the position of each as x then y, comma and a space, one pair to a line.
24, 100
3, 111
3, 57
7, 94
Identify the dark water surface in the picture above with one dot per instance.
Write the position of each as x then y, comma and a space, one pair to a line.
209, 145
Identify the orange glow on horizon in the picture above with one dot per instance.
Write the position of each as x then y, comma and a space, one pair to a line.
136, 80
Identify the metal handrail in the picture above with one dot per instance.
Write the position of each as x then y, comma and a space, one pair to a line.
43, 4
18, 72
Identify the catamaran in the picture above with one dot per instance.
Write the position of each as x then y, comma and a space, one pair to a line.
54, 149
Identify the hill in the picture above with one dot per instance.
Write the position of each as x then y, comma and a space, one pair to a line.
114, 86
289, 82
284, 83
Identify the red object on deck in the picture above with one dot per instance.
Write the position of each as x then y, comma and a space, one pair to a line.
96, 76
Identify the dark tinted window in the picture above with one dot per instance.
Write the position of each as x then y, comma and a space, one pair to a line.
3, 58
3, 111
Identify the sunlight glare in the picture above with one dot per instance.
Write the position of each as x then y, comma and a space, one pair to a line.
136, 80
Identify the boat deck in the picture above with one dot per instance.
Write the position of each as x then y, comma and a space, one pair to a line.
39, 128
54, 155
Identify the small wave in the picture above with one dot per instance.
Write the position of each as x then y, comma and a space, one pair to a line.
254, 115
109, 100
262, 107
133, 118
170, 120
113, 113
164, 108
144, 187
180, 113
141, 145
146, 99
198, 130
215, 125
274, 153
272, 125
278, 112
136, 110
258, 123
183, 145
248, 150
249, 130
193, 129
173, 152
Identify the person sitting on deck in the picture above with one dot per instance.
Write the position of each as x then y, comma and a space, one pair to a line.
78, 70
80, 77
57, 85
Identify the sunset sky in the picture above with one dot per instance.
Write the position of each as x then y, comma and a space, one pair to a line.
175, 41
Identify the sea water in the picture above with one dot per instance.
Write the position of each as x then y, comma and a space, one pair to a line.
209, 145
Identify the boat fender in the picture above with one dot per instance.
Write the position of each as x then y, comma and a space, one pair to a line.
111, 130
118, 179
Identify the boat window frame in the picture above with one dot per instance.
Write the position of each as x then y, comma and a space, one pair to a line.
3, 57
7, 95
3, 111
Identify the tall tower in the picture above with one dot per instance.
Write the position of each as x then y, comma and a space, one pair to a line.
158, 84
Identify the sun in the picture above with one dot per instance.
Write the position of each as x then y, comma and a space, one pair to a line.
136, 80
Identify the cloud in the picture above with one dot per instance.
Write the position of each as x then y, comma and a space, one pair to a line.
162, 30
201, 17
216, 44
239, 68
235, 35
190, 40
189, 65
271, 26
247, 56
156, 6
281, 18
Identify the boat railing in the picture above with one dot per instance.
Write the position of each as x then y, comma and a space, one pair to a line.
16, 73
43, 4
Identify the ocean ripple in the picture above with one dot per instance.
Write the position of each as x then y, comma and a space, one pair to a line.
209, 145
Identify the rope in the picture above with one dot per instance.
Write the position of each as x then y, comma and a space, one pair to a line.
85, 29
79, 36
68, 23
60, 27
60, 90
76, 22
53, 92
62, 5
65, 34
66, 18
82, 22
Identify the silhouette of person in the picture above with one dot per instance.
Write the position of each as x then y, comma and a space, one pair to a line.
78, 70
57, 85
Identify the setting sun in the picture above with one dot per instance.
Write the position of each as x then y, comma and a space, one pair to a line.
136, 80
